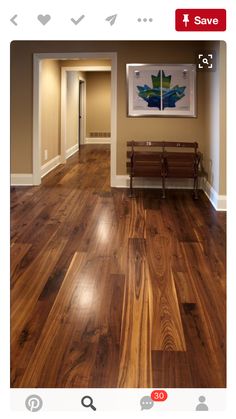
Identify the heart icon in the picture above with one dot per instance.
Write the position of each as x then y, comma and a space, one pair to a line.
44, 19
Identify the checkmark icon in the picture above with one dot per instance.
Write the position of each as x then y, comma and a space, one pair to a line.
76, 21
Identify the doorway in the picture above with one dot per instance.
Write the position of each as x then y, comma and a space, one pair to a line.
81, 112
112, 57
92, 109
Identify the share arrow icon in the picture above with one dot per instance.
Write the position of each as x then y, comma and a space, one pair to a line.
111, 19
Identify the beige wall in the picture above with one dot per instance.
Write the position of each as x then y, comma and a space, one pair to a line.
50, 109
98, 102
21, 109
222, 104
127, 128
72, 109
214, 150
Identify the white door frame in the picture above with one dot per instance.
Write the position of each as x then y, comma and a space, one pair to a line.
64, 71
82, 103
37, 61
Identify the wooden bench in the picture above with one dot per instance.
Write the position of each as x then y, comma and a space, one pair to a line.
161, 159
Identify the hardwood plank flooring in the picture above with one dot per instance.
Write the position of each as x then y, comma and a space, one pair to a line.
112, 291
136, 336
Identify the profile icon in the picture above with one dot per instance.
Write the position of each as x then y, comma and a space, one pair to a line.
201, 406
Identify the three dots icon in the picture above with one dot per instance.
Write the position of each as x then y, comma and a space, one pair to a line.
145, 20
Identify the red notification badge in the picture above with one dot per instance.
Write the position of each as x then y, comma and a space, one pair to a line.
159, 395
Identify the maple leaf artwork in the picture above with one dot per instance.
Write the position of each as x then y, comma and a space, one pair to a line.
161, 92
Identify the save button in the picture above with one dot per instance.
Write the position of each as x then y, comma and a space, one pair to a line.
200, 20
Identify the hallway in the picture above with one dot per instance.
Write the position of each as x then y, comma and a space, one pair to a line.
109, 291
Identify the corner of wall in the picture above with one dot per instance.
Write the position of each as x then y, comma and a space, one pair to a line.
218, 201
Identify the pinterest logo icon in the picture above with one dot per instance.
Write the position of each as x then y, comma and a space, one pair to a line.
34, 403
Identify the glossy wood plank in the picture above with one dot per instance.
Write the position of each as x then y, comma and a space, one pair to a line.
108, 348
211, 310
45, 362
25, 293
135, 363
184, 288
18, 252
171, 369
137, 218
202, 360
96, 336
30, 332
167, 333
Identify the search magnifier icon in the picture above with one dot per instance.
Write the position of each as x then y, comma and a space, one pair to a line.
87, 401
205, 61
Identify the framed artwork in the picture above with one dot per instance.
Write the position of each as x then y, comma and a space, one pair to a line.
161, 90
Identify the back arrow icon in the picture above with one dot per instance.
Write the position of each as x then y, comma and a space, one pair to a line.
13, 20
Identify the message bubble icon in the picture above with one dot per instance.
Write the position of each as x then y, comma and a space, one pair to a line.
146, 403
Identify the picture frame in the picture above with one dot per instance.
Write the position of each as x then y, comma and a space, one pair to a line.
161, 90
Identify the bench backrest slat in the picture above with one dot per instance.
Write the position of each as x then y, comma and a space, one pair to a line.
181, 144
145, 143
177, 144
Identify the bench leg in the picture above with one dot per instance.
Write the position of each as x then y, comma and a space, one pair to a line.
163, 187
195, 188
131, 187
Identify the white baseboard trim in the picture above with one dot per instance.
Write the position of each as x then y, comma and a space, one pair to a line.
72, 150
219, 202
97, 140
50, 165
22, 179
122, 181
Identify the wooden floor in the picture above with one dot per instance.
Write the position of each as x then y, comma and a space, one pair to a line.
109, 291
